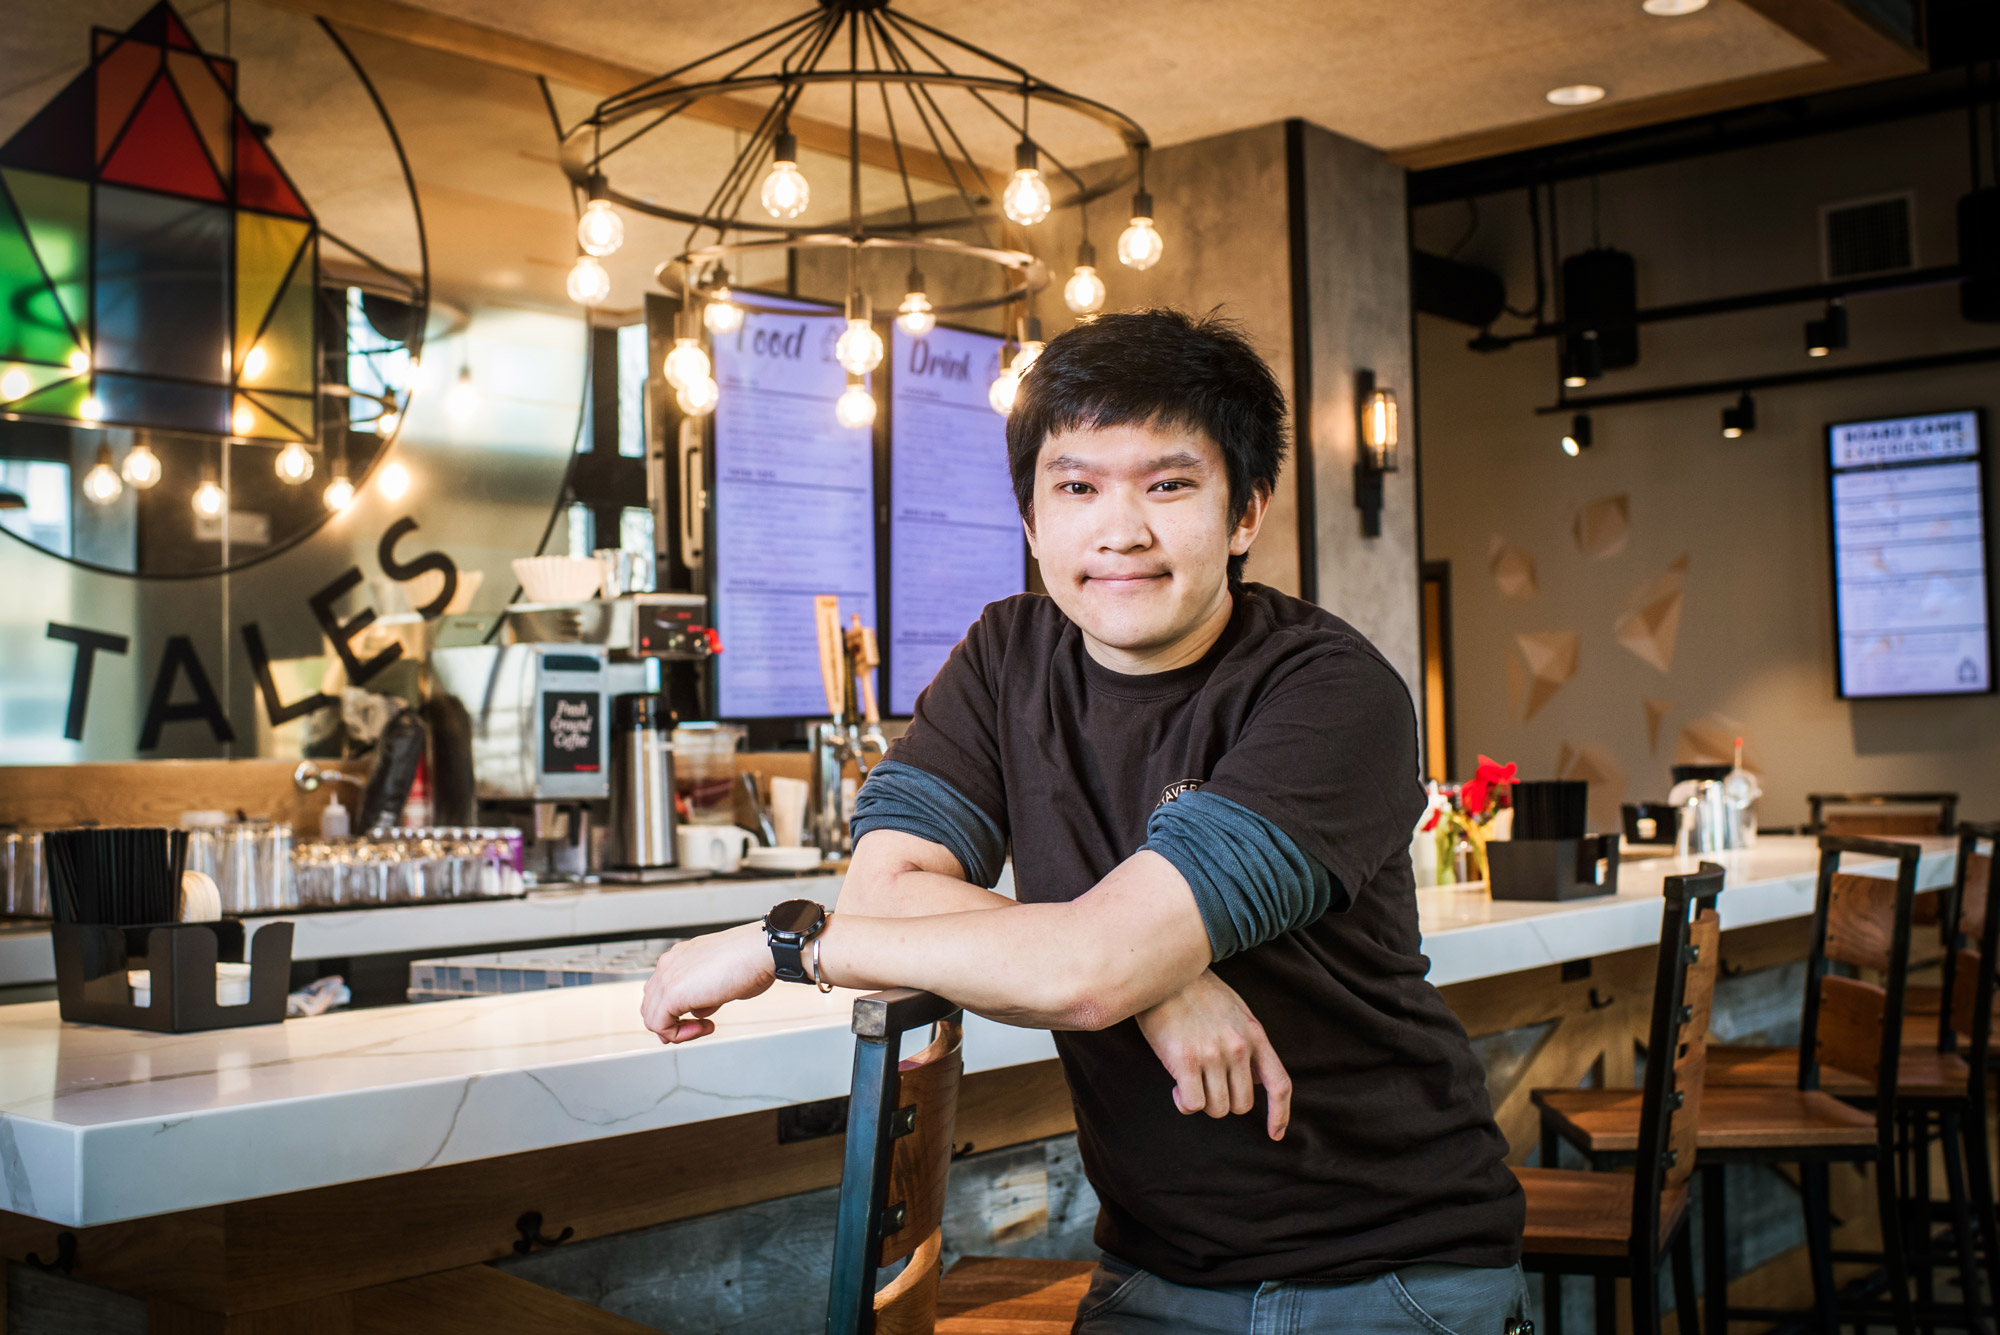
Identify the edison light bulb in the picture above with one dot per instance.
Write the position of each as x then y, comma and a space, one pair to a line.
14, 384
785, 193
339, 492
79, 361
722, 316
386, 424
699, 398
101, 485
462, 399
209, 498
859, 348
393, 481
142, 467
242, 421
855, 407
686, 363
1002, 391
588, 283
600, 230
295, 464
254, 362
91, 409
1139, 245
1084, 292
1026, 199
1023, 359
915, 315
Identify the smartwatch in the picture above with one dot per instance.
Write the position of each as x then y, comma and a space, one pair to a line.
790, 927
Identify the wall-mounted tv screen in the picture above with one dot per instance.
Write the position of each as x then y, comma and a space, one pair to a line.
794, 507
955, 541
1912, 600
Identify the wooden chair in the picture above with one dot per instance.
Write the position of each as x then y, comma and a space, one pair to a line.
1613, 1226
892, 1193
1885, 813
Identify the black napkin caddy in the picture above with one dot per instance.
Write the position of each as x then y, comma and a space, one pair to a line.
91, 964
1551, 870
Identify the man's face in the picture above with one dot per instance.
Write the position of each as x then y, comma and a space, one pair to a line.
1131, 526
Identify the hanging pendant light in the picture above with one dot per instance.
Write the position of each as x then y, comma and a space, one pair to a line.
1026, 199
294, 464
699, 398
859, 347
686, 363
855, 408
101, 485
786, 192
209, 499
915, 316
600, 231
142, 467
91, 410
339, 492
588, 283
14, 384
722, 316
462, 400
1139, 245
1084, 292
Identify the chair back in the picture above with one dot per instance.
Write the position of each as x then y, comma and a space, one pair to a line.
1973, 948
1881, 813
1676, 1052
1864, 924
892, 1181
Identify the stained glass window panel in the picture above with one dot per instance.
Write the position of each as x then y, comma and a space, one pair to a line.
282, 356
265, 250
207, 101
122, 79
162, 285
56, 211
161, 150
32, 327
164, 403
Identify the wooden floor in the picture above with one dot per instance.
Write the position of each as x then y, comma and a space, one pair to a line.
1011, 1296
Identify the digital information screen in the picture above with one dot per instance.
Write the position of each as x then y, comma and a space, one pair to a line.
794, 509
955, 541
1911, 609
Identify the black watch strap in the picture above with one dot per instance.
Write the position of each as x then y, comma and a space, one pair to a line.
790, 928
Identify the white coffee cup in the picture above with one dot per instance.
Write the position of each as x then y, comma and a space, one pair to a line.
713, 847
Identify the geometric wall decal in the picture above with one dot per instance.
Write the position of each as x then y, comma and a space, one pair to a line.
1602, 527
156, 262
1711, 740
1540, 664
1595, 765
1652, 621
1513, 569
1656, 713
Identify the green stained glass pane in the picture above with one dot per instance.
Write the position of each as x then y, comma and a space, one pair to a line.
18, 380
32, 327
283, 357
64, 399
57, 213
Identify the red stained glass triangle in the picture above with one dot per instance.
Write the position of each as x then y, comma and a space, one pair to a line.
161, 151
259, 183
176, 34
58, 139
225, 70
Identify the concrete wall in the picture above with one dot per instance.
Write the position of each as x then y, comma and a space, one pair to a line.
1755, 648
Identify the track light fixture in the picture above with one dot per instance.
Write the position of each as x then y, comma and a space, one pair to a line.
1829, 332
1741, 418
1577, 439
1583, 360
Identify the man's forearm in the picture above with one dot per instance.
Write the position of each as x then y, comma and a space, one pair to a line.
1081, 965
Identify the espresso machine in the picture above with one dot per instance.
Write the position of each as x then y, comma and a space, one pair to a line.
853, 732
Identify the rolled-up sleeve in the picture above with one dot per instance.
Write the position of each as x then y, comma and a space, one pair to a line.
902, 797
1251, 882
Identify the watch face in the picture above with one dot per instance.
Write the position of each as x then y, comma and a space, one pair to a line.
795, 917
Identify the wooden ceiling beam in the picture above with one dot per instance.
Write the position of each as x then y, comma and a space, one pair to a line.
419, 27
1853, 50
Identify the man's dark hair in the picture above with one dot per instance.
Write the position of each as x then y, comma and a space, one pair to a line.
1162, 368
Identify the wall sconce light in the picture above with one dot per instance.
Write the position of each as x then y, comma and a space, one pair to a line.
1577, 440
1829, 333
1375, 452
1741, 418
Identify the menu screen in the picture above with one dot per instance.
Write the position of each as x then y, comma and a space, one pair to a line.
955, 541
794, 509
1911, 607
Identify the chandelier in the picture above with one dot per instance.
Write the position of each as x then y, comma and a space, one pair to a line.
910, 72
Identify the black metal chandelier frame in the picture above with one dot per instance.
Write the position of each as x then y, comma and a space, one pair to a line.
901, 52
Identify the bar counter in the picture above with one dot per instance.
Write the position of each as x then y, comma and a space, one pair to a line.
99, 1125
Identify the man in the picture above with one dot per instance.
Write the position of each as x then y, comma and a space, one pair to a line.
1208, 789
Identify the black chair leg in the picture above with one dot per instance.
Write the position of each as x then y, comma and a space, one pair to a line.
1979, 1176
1961, 1221
1646, 1296
1917, 1204
1605, 1308
1686, 1312
1895, 1254
1715, 1248
1552, 1302
1816, 1190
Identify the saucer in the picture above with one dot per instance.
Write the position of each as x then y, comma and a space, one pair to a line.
782, 859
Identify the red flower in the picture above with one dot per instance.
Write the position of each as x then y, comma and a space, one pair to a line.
1490, 772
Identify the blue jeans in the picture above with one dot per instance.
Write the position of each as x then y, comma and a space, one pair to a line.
1416, 1300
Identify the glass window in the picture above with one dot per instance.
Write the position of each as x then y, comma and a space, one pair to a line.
635, 534
582, 529
45, 487
378, 367
632, 392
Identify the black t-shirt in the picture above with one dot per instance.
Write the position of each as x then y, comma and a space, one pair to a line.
1392, 1157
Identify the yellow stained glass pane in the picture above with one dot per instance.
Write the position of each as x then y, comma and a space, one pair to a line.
273, 417
265, 247
283, 357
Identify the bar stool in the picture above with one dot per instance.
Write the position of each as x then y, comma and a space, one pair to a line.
1611, 1226
892, 1194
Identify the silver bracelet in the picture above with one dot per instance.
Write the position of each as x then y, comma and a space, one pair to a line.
818, 981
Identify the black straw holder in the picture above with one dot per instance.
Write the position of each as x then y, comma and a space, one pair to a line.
1552, 869
91, 964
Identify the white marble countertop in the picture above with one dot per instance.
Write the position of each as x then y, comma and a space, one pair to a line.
98, 1125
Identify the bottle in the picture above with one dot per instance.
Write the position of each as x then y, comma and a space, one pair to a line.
333, 820
1740, 791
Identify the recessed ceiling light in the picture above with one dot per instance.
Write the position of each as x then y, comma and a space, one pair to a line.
1668, 9
1575, 94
